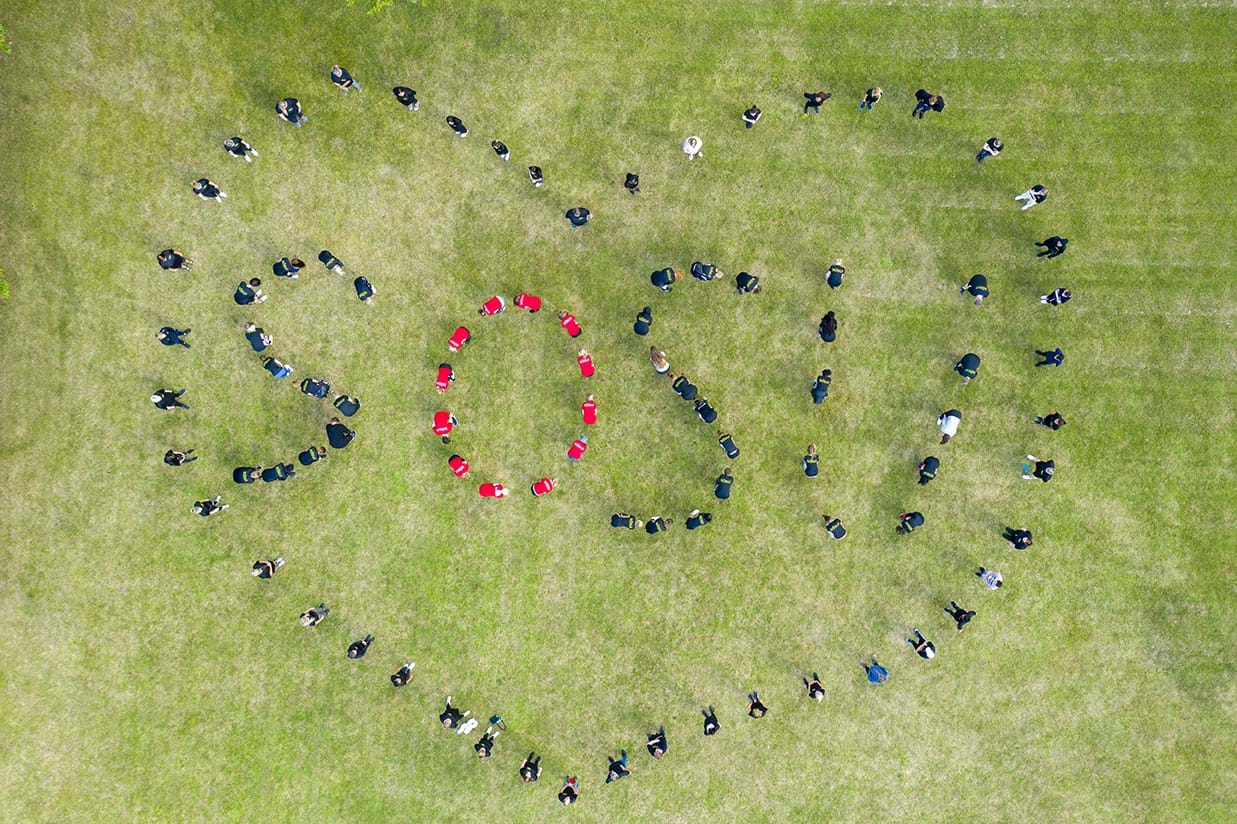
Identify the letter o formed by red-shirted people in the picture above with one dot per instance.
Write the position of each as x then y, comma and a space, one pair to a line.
444, 421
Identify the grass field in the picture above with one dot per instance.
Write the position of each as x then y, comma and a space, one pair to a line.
148, 677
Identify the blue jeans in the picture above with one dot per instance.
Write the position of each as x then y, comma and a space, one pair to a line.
983, 155
920, 107
864, 104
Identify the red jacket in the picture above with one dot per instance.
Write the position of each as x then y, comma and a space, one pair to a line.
543, 487
493, 306
458, 465
460, 337
445, 374
492, 491
444, 422
577, 449
586, 365
530, 302
589, 408
568, 322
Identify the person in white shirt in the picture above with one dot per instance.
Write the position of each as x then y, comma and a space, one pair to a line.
948, 422
692, 147
991, 578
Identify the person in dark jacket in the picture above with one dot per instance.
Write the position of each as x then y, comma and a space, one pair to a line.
288, 267
924, 648
814, 100
257, 337
756, 707
450, 717
705, 271
811, 462
927, 469
403, 675
621, 520
925, 100
570, 791
991, 148
727, 444
535, 176
266, 569
1053, 246
407, 98
500, 149
747, 284
246, 474
1054, 358
836, 272
977, 286
278, 472
961, 616
530, 768
289, 109
315, 388
705, 411
277, 368
338, 435
684, 388
171, 336
1033, 196
908, 522
365, 290
172, 261
644, 320
664, 279
205, 189
711, 724
657, 524
485, 744
751, 116
834, 527
457, 126
815, 689
347, 405
237, 147
1052, 420
332, 263
697, 519
1017, 538
175, 458
631, 182
1056, 297
656, 743
870, 98
168, 399
208, 507
1037, 469
967, 366
249, 293
721, 487
820, 387
577, 216
829, 327
312, 455
357, 649
342, 79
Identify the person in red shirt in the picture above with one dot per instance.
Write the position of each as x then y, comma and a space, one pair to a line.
568, 322
459, 337
578, 447
458, 465
446, 376
586, 364
526, 301
493, 306
589, 410
543, 487
444, 422
492, 491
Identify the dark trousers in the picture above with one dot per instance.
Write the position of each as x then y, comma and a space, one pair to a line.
920, 107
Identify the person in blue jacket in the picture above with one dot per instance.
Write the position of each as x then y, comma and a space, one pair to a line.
721, 487
811, 462
927, 469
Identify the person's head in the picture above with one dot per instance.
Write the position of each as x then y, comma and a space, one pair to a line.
198, 508
307, 618
673, 376
589, 399
979, 300
811, 449
945, 438
255, 282
756, 291
669, 521
582, 353
932, 98
877, 91
727, 472
1065, 293
155, 398
817, 693
639, 524
826, 373
298, 263
965, 379
1048, 470
929, 651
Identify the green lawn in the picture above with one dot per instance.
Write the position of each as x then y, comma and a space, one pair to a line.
148, 677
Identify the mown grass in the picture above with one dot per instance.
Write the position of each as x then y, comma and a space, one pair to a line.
147, 677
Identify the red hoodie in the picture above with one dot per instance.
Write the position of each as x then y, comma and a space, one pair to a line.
589, 408
577, 449
543, 487
568, 322
492, 491
586, 365
445, 374
443, 422
460, 337
458, 465
493, 306
530, 302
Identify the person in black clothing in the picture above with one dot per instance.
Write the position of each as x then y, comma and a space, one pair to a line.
705, 411
618, 767
315, 615
657, 524
684, 388
927, 469
239, 148
721, 487
1033, 196
727, 444
247, 294
246, 474
754, 707
257, 337
961, 616
644, 319
1054, 358
751, 116
820, 387
530, 768
1043, 470
485, 745
632, 182
450, 717
697, 519
664, 279
870, 98
813, 101
500, 149
922, 646
266, 569
173, 261
811, 462
205, 189
174, 458
1052, 420
315, 388
577, 215
836, 272
829, 327
570, 791
338, 435
1053, 246
365, 290
908, 522
289, 109
834, 527
1018, 538
967, 366
656, 744
407, 98
288, 267
621, 520
991, 148
402, 675
815, 690
171, 336
926, 100
342, 78
278, 472
711, 724
357, 649
1056, 297
978, 287
312, 455
208, 507
167, 399
747, 284
705, 271
347, 405
457, 126
535, 176
332, 263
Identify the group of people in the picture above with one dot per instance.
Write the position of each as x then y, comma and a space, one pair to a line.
444, 422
